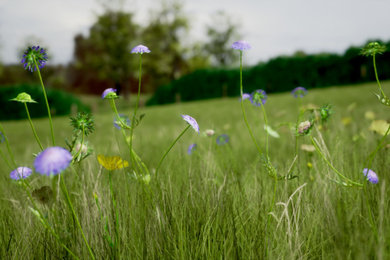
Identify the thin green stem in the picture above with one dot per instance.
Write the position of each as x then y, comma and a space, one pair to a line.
81, 144
269, 215
65, 191
44, 221
243, 109
370, 158
5, 159
376, 76
266, 134
331, 166
47, 102
8, 146
116, 218
32, 127
136, 103
170, 147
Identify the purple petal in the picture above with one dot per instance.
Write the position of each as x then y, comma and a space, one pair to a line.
20, 172
52, 160
191, 121
241, 45
140, 49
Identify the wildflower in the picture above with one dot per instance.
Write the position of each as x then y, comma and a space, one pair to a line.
32, 55
122, 122
379, 126
24, 98
209, 132
83, 148
373, 48
20, 172
246, 96
241, 45
304, 128
222, 139
2, 137
140, 49
308, 148
258, 97
109, 93
191, 148
325, 112
112, 162
83, 122
52, 160
299, 92
371, 175
191, 121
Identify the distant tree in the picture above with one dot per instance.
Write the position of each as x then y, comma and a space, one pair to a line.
221, 34
164, 35
105, 52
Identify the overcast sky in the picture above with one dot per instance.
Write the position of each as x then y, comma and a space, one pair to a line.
272, 27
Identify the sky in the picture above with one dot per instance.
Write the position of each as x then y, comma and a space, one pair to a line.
272, 27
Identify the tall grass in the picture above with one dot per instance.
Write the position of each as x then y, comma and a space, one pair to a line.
214, 203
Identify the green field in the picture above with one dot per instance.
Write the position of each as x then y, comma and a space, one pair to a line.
216, 202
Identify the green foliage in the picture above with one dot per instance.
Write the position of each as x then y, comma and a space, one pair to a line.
61, 103
277, 75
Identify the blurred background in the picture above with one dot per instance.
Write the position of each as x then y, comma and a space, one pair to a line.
294, 43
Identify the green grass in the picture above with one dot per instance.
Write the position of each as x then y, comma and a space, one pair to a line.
215, 203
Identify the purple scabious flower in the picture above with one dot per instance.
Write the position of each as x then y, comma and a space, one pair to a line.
52, 160
222, 139
109, 93
140, 49
34, 53
299, 92
2, 137
125, 120
241, 45
191, 121
258, 97
20, 172
191, 148
371, 175
246, 96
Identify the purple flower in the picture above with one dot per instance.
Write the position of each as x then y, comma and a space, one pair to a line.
222, 139
2, 137
191, 148
191, 121
241, 45
123, 119
109, 93
246, 96
371, 175
20, 172
258, 97
299, 92
52, 160
140, 49
31, 54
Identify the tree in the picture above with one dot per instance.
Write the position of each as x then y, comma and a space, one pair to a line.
105, 53
222, 33
163, 35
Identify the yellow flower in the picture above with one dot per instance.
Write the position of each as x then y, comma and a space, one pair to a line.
112, 162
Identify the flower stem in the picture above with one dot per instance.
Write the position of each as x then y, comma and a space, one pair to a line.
65, 191
47, 102
376, 76
81, 144
32, 127
243, 109
136, 103
170, 147
266, 134
331, 166
44, 221
116, 218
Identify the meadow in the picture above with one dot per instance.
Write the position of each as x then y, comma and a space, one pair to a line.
217, 202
